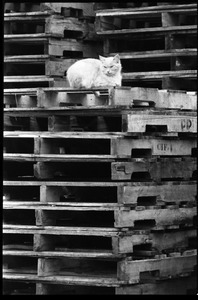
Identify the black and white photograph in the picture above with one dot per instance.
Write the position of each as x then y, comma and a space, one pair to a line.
99, 148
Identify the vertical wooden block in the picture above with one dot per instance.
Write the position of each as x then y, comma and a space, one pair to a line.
43, 242
48, 266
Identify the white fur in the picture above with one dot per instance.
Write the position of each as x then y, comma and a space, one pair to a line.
89, 73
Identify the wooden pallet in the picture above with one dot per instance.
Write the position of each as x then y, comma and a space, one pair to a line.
125, 271
112, 145
176, 286
34, 81
108, 119
39, 64
45, 44
123, 96
133, 194
105, 169
44, 22
70, 9
144, 17
100, 214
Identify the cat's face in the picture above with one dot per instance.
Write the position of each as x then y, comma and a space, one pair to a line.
110, 65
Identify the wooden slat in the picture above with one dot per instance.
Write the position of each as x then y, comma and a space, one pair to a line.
63, 134
147, 9
60, 206
41, 78
150, 31
104, 254
168, 266
67, 280
164, 168
8, 16
161, 217
60, 157
58, 230
148, 14
157, 53
26, 58
158, 75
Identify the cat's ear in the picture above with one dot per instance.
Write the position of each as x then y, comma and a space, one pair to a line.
116, 58
102, 58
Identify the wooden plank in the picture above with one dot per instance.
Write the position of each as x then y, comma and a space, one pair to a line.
159, 193
153, 146
63, 135
66, 280
161, 217
157, 170
58, 230
165, 98
173, 286
157, 75
104, 254
172, 123
58, 158
147, 9
144, 55
169, 266
60, 206
158, 31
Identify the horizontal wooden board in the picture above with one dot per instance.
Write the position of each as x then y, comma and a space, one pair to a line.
173, 123
66, 280
146, 10
155, 54
158, 75
156, 31
161, 217
170, 266
173, 168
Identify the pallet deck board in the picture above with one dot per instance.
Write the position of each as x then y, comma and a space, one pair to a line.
72, 253
148, 9
157, 31
156, 53
68, 280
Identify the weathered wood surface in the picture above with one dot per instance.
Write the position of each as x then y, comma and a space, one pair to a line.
121, 245
153, 31
54, 26
164, 193
128, 193
161, 217
123, 96
155, 54
147, 10
164, 168
118, 145
173, 286
67, 280
158, 75
174, 122
168, 266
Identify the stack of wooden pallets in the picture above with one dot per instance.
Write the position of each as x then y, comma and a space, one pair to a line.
157, 44
99, 191
39, 46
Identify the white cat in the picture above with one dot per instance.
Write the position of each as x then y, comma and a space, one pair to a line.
90, 73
